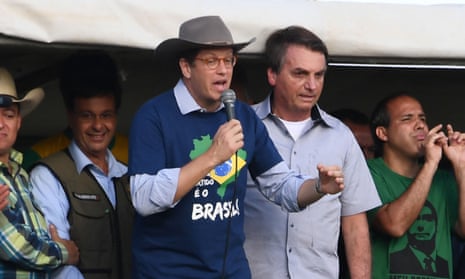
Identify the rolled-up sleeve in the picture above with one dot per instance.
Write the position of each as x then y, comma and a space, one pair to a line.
154, 193
281, 186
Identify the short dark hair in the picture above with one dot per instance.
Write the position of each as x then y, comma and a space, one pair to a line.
87, 74
380, 117
278, 42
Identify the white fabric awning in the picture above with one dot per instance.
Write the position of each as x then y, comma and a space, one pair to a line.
351, 29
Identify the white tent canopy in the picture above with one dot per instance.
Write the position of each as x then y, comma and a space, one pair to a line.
352, 29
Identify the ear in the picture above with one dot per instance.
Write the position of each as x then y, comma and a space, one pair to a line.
381, 133
185, 68
271, 76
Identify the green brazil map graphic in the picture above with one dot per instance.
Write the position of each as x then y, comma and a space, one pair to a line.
224, 173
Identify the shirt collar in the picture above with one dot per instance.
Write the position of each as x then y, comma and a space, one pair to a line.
81, 161
185, 101
263, 110
16, 156
15, 160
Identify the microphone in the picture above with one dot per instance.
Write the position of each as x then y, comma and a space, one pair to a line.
228, 97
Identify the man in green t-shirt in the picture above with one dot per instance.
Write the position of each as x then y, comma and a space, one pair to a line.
411, 231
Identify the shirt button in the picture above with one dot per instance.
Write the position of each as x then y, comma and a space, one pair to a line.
290, 250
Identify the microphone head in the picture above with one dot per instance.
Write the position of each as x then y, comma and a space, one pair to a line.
228, 96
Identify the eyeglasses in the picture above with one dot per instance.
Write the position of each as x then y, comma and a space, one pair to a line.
213, 62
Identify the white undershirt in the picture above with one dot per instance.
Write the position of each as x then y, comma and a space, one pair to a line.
295, 128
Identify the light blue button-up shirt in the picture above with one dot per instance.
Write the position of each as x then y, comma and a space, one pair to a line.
304, 244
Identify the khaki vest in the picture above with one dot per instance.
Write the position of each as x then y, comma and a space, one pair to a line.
103, 234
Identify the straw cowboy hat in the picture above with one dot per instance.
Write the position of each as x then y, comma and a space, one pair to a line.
200, 32
8, 94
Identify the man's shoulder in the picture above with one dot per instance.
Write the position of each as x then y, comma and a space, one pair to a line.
56, 160
162, 98
335, 123
162, 103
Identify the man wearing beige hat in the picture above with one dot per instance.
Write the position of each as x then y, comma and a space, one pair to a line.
189, 154
27, 250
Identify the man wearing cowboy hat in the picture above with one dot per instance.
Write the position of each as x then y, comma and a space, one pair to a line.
26, 248
188, 165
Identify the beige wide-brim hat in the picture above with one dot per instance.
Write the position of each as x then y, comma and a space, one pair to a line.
196, 33
8, 94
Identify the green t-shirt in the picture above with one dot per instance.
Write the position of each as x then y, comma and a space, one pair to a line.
425, 250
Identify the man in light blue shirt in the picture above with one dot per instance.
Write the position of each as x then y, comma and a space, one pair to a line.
79, 189
304, 244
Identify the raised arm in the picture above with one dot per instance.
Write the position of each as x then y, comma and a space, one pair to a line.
152, 193
228, 139
396, 217
330, 181
455, 152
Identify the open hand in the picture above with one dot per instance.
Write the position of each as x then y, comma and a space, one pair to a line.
331, 179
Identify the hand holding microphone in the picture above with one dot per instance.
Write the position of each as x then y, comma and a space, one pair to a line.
229, 137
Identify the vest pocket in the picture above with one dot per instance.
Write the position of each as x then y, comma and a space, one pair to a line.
90, 228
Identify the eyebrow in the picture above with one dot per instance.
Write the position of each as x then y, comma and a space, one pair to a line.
12, 108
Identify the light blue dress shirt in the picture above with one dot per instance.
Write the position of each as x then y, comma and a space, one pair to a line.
279, 244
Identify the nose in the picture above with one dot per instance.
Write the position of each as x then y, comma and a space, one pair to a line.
97, 122
2, 122
221, 68
310, 83
420, 123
